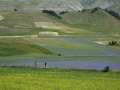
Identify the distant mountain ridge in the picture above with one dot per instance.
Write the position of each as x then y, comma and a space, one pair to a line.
59, 5
110, 6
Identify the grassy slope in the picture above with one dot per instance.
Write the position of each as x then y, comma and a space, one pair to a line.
99, 21
22, 23
55, 79
10, 47
18, 23
91, 24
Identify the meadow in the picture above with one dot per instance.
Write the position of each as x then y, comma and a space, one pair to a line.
19, 46
74, 48
57, 79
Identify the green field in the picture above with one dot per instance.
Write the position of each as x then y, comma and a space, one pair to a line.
56, 79
43, 46
15, 23
19, 46
71, 23
82, 42
100, 21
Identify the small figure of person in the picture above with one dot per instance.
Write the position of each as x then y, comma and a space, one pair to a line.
45, 64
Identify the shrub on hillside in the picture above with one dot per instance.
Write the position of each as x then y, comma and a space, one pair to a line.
63, 12
52, 13
59, 54
15, 10
113, 43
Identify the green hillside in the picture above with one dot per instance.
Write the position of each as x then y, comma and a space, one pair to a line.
18, 46
96, 23
19, 23
87, 21
93, 20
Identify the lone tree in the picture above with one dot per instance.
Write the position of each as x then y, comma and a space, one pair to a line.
106, 69
59, 54
15, 10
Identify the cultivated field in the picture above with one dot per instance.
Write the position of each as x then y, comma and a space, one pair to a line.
19, 46
79, 48
56, 79
68, 41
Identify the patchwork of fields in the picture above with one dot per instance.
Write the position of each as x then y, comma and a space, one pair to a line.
72, 41
22, 38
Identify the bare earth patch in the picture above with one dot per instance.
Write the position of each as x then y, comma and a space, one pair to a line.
48, 34
101, 42
1, 18
46, 25
55, 26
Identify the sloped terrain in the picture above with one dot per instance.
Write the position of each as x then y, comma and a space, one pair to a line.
15, 23
13, 47
97, 20
71, 19
61, 5
87, 21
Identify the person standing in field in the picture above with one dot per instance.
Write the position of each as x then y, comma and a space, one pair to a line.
45, 64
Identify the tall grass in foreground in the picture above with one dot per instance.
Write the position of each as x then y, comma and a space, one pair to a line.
56, 79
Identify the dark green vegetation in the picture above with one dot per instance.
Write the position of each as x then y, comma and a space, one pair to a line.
52, 13
52, 79
114, 43
116, 15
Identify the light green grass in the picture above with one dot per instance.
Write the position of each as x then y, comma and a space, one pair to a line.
55, 79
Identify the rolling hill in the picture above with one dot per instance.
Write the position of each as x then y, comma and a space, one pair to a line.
87, 21
97, 20
69, 18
